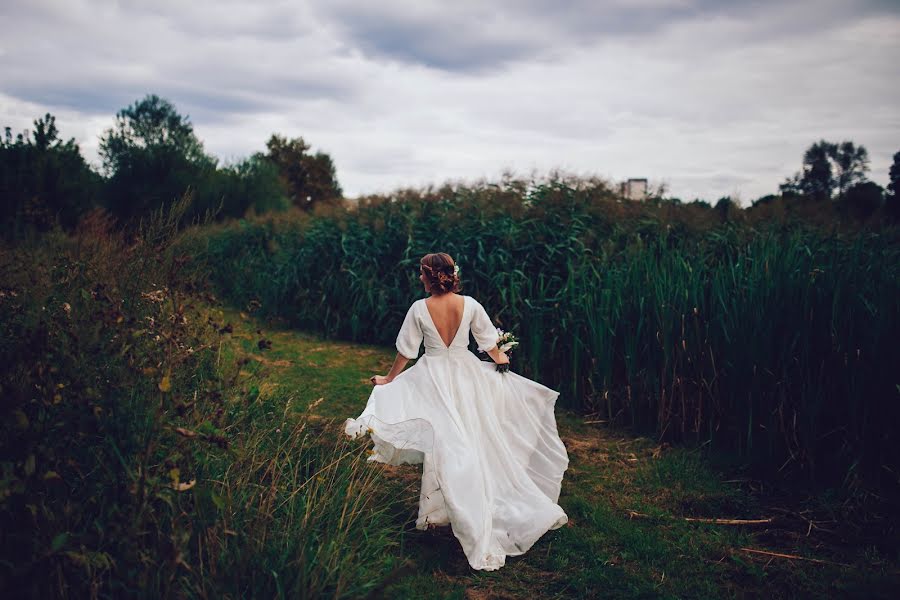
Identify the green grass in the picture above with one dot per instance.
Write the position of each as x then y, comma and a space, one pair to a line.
603, 552
152, 450
307, 367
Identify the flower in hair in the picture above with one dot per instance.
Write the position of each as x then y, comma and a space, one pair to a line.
456, 269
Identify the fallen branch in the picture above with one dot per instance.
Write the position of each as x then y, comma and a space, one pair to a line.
730, 521
633, 514
794, 557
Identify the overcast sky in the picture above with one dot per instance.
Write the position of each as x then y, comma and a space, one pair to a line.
711, 98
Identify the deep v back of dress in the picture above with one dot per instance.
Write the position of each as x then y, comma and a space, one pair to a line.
447, 316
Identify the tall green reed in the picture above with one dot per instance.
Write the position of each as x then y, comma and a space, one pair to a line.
771, 340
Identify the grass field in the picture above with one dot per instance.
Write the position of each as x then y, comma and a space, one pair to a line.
629, 501
160, 444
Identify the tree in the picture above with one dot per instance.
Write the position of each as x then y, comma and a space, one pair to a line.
863, 199
851, 162
727, 208
828, 167
764, 200
792, 185
153, 157
149, 124
251, 183
322, 183
892, 197
309, 179
817, 180
44, 180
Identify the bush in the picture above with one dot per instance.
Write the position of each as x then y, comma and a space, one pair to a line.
141, 459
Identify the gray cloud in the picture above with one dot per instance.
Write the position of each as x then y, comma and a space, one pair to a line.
459, 37
101, 60
473, 36
713, 97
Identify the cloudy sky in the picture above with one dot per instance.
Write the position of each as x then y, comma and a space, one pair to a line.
711, 98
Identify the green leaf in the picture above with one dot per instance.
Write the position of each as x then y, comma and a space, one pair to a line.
21, 419
29, 464
59, 541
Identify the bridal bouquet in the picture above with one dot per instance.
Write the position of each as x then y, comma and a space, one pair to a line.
506, 342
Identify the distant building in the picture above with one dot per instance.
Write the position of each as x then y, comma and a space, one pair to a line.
634, 189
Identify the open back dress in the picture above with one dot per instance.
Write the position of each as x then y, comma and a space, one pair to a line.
492, 458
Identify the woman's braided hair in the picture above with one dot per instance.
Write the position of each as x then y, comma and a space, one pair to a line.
440, 272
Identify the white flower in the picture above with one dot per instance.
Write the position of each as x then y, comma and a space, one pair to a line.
508, 345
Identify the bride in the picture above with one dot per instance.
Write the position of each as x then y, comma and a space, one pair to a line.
492, 458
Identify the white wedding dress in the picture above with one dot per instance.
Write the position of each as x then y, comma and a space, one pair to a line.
492, 458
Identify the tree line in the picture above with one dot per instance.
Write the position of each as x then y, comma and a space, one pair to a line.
832, 182
837, 172
151, 156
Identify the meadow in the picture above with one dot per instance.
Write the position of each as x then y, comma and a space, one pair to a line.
173, 402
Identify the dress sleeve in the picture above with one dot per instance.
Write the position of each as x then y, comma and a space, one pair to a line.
483, 329
410, 337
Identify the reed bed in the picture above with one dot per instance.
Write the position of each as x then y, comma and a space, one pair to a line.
769, 340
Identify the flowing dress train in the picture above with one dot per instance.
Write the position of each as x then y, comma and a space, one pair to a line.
492, 459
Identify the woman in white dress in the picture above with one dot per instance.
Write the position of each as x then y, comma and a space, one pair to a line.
492, 458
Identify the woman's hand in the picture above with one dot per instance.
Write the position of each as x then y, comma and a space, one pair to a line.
502, 361
380, 379
498, 356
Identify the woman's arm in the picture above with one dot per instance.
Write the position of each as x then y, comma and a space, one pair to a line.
397, 368
498, 355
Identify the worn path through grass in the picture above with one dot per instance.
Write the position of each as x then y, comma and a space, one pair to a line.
628, 500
